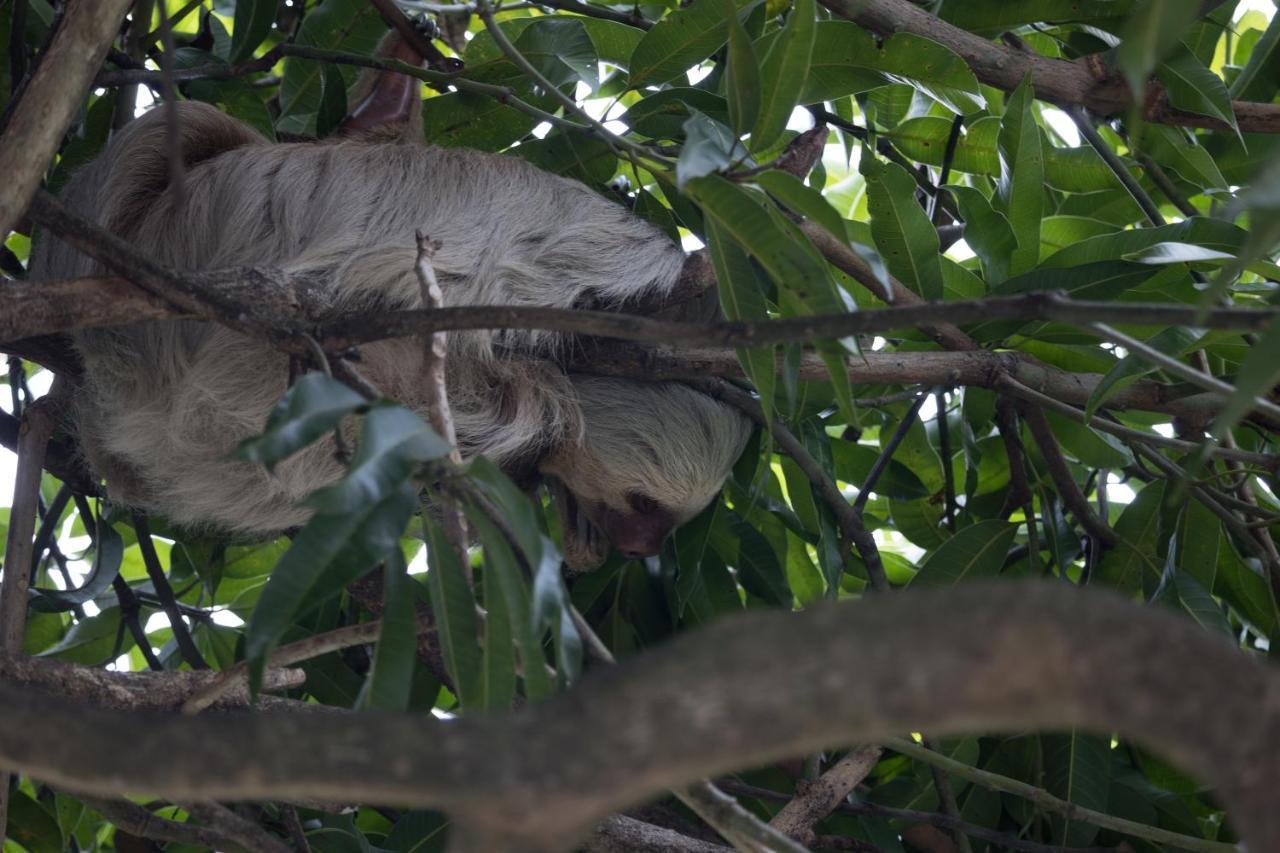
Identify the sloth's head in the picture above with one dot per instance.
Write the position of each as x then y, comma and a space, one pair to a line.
650, 458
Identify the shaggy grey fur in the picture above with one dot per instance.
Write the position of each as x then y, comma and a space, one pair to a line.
163, 404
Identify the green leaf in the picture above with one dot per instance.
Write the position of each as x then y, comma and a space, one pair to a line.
1077, 768
1197, 545
1197, 231
236, 98
931, 67
1197, 603
583, 158
924, 138
709, 147
987, 231
903, 235
92, 640
32, 826
993, 18
837, 68
107, 556
784, 70
390, 678
333, 101
738, 213
1194, 88
679, 41
1092, 448
742, 298
552, 610
614, 41
742, 80
1258, 375
393, 441
802, 198
561, 49
919, 521
253, 22
1257, 79
1244, 586
662, 115
468, 120
503, 578
1020, 190
513, 504
313, 407
1171, 147
1173, 341
1134, 558
454, 611
347, 25
1152, 32
745, 549
853, 463
1176, 253
417, 832
976, 551
329, 552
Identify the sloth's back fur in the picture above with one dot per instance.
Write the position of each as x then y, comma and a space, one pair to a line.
162, 404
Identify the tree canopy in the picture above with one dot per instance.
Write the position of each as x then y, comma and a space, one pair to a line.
995, 572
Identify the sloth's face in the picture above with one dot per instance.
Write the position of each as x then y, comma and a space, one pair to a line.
590, 526
599, 509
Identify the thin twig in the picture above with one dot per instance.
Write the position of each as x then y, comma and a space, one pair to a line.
1060, 471
172, 122
1177, 368
283, 656
620, 144
849, 519
130, 615
861, 807
878, 467
168, 601
38, 423
1149, 208
1017, 389
1043, 799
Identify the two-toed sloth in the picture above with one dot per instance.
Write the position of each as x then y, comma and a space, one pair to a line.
162, 404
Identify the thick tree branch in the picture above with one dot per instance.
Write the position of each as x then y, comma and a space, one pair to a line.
622, 834
136, 820
817, 799
44, 308
1011, 656
139, 691
51, 98
982, 368
1058, 81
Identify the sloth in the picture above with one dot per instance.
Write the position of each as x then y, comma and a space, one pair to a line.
161, 405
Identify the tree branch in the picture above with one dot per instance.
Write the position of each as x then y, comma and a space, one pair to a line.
817, 799
1007, 656
51, 98
1058, 81
45, 308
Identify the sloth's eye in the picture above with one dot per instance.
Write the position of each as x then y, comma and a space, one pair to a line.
642, 503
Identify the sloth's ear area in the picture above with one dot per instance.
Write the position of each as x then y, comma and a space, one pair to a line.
387, 105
